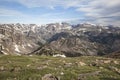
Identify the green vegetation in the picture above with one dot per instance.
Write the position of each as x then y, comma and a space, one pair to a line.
76, 68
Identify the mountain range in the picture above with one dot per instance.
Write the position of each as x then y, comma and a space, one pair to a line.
59, 38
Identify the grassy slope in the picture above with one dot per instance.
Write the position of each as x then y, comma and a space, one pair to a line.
34, 67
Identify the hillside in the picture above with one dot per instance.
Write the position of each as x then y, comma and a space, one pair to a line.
58, 68
114, 55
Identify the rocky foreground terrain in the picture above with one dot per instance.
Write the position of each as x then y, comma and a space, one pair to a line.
58, 68
59, 39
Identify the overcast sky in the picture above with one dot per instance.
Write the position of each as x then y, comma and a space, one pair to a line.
49, 11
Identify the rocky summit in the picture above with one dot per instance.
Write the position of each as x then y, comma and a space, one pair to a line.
59, 39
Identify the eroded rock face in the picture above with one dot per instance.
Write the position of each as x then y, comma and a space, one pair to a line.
26, 38
14, 39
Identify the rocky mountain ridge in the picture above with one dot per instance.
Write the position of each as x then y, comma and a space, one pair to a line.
59, 38
25, 38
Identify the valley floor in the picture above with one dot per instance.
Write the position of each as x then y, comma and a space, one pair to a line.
42, 67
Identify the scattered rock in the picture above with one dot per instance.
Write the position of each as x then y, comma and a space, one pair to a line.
100, 67
28, 65
118, 71
97, 60
16, 69
41, 67
114, 69
68, 64
64, 61
2, 68
83, 76
107, 61
60, 66
9, 62
30, 55
94, 64
115, 62
61, 73
49, 77
81, 63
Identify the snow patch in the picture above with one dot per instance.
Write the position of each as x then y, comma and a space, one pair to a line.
16, 48
4, 53
29, 45
68, 27
82, 29
23, 46
105, 27
100, 30
33, 28
59, 55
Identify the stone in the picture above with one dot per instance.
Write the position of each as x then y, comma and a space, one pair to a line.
83, 76
67, 64
61, 73
107, 61
82, 63
16, 69
115, 62
49, 77
28, 65
118, 71
2, 68
101, 67
114, 69
94, 64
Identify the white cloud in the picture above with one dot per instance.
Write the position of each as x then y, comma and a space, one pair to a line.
100, 7
102, 11
89, 6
